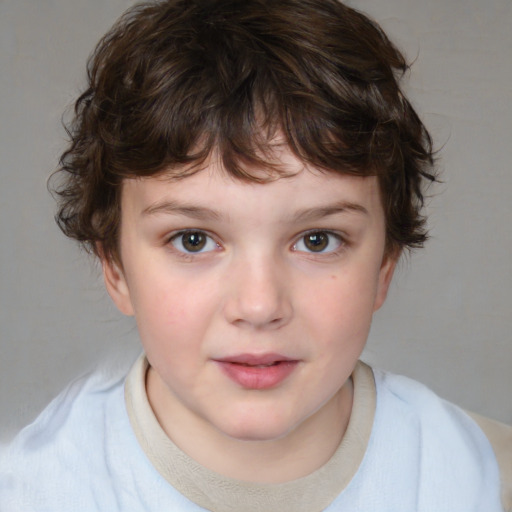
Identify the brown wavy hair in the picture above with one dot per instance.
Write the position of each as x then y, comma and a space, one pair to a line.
174, 81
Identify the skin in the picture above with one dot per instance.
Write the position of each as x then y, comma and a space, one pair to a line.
256, 287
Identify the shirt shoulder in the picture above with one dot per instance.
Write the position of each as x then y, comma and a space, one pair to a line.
500, 437
452, 454
54, 462
81, 454
82, 402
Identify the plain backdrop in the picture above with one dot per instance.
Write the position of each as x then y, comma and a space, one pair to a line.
447, 321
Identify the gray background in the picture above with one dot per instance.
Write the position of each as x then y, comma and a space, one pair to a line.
448, 318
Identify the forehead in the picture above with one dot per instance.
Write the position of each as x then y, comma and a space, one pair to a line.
286, 178
211, 195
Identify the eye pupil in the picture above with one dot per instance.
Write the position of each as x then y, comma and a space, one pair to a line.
194, 241
316, 242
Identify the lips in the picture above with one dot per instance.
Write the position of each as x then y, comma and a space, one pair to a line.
255, 359
262, 371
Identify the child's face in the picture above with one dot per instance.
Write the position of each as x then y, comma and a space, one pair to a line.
253, 301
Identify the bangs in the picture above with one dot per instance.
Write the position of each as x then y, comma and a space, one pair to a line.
177, 83
225, 82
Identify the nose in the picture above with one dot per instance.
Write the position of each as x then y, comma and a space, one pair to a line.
259, 295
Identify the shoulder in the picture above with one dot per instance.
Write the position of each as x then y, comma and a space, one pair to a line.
82, 402
449, 451
64, 448
500, 437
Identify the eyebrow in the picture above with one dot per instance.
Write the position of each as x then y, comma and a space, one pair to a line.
187, 210
317, 213
203, 213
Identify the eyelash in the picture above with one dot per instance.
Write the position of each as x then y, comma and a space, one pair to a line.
184, 253
340, 241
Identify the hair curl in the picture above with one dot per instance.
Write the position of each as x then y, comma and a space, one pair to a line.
175, 80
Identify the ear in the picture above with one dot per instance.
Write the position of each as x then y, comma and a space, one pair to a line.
386, 272
116, 285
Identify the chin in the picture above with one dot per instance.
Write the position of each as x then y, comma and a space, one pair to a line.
257, 429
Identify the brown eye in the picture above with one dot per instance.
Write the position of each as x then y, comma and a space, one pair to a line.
316, 242
193, 242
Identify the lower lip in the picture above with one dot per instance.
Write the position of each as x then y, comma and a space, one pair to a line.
258, 377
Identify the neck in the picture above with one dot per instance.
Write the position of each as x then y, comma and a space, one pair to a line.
294, 455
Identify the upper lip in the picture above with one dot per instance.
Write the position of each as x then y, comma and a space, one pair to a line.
255, 359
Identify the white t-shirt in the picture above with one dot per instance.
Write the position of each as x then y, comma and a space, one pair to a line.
99, 447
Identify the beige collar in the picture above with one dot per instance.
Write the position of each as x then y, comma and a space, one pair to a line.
218, 493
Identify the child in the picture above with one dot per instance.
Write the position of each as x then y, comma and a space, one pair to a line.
248, 173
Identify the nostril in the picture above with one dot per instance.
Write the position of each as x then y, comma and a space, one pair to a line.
258, 297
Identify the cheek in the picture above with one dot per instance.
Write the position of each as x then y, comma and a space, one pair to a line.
169, 332
173, 310
157, 303
346, 298
340, 312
